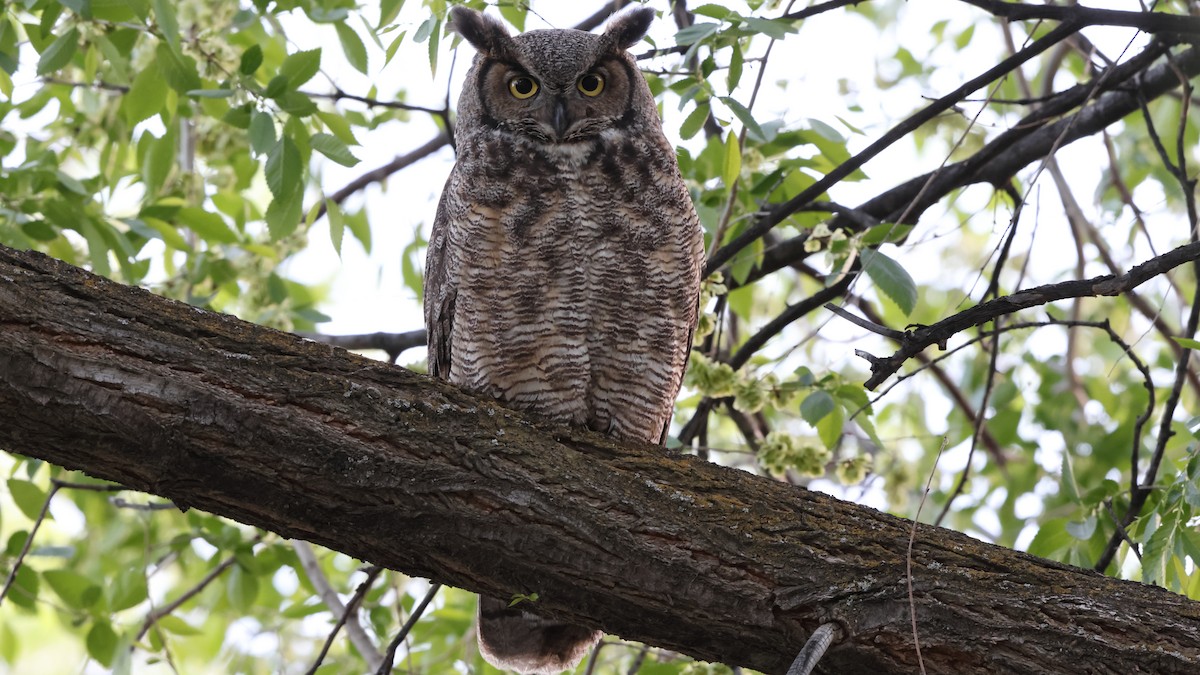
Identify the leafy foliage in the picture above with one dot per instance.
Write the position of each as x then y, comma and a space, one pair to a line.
186, 146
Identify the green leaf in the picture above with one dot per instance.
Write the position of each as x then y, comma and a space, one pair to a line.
158, 159
147, 96
714, 11
337, 225
240, 116
168, 25
283, 169
434, 38
75, 589
155, 227
1187, 343
391, 48
695, 33
241, 589
59, 53
210, 93
1082, 530
1067, 482
179, 69
388, 11
210, 226
830, 427
276, 86
252, 58
24, 592
774, 28
301, 610
891, 279
102, 642
736, 62
1051, 539
360, 228
1157, 552
514, 12
300, 67
296, 103
743, 114
283, 215
10, 52
964, 38
334, 149
695, 121
732, 166
262, 132
816, 406
28, 497
176, 625
72, 184
338, 126
886, 233
826, 131
353, 47
425, 30
128, 590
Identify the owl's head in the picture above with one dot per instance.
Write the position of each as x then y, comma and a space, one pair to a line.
554, 86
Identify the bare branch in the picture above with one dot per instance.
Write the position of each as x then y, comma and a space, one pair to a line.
1109, 284
1147, 22
779, 213
394, 344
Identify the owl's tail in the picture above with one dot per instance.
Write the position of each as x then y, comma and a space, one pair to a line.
517, 640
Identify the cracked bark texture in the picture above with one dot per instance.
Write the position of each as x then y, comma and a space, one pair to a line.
392, 467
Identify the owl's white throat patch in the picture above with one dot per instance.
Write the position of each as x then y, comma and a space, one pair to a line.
564, 154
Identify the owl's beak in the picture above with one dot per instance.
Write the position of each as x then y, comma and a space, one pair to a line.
559, 118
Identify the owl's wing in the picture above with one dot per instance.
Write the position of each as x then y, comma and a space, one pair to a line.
441, 289
687, 349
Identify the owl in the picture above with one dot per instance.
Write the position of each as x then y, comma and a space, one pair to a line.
564, 264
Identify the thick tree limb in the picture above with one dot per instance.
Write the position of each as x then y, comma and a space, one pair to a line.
313, 442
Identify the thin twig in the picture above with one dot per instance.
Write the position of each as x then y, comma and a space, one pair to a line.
37, 523
361, 592
912, 537
167, 609
354, 630
390, 656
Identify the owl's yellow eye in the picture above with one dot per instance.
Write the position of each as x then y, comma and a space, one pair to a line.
591, 84
522, 86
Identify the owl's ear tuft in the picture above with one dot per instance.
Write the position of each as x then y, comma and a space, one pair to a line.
486, 34
627, 29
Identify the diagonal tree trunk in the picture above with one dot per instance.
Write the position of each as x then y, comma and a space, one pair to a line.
389, 466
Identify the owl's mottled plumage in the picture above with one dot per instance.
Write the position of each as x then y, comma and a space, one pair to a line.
564, 265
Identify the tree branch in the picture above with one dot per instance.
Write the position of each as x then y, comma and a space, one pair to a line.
1147, 22
394, 344
1109, 284
416, 475
780, 212
1027, 141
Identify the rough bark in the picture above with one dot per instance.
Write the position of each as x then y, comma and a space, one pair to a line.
389, 466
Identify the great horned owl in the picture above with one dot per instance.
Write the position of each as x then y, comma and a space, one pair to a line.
564, 264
